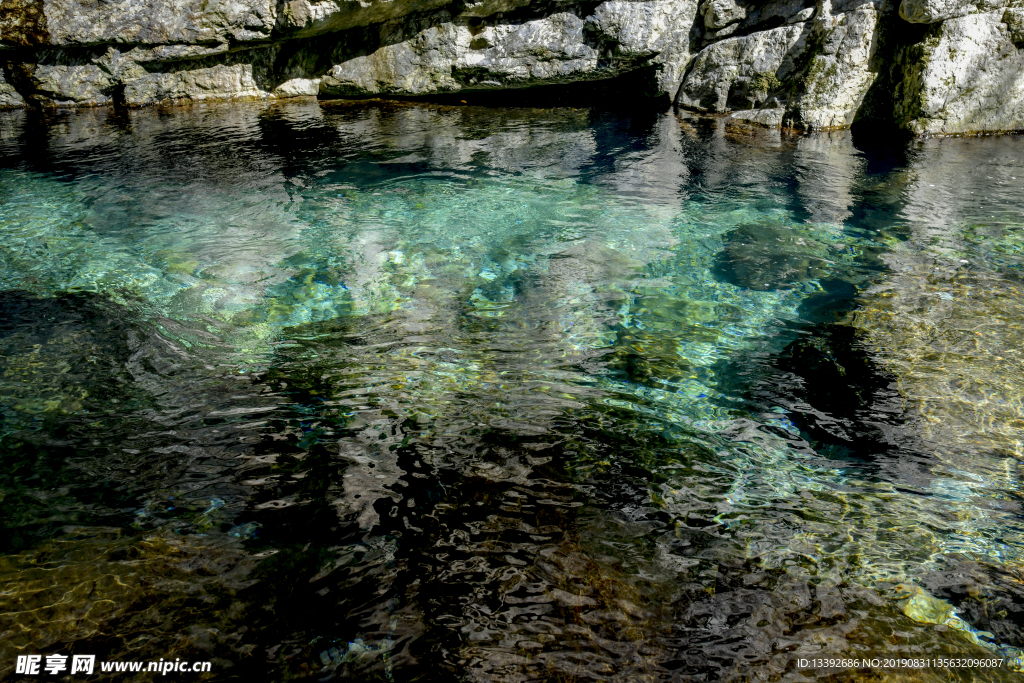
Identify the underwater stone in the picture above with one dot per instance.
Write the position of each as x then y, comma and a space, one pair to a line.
964, 388
766, 257
60, 355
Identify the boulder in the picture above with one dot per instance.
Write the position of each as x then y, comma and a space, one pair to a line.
221, 81
123, 77
655, 29
761, 16
451, 56
967, 76
134, 22
738, 73
298, 87
837, 78
84, 84
931, 11
304, 18
9, 97
721, 13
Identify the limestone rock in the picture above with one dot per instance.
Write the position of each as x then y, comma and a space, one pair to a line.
817, 72
931, 11
138, 77
1014, 20
413, 67
70, 85
450, 57
813, 61
720, 13
216, 82
968, 76
298, 87
839, 76
311, 18
777, 11
738, 73
304, 18
658, 29
9, 97
152, 22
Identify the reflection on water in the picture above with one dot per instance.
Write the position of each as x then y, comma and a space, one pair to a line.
414, 392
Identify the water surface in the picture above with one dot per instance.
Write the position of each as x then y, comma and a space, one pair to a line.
419, 392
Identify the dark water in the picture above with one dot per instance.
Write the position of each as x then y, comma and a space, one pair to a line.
417, 392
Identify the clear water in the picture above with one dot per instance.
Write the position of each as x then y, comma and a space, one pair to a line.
416, 392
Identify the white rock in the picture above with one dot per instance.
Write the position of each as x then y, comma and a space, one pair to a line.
731, 69
771, 118
311, 18
298, 87
9, 97
968, 78
217, 82
839, 77
656, 28
931, 11
87, 22
720, 13
59, 85
450, 57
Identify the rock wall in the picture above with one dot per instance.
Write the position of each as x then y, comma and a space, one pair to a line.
927, 66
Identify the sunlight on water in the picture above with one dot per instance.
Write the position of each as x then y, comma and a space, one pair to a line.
378, 389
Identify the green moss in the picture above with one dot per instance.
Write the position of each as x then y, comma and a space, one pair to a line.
765, 81
816, 68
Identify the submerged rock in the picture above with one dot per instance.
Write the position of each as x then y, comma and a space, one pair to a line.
955, 346
60, 355
98, 581
765, 257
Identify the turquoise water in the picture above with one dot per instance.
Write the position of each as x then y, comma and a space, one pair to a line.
409, 391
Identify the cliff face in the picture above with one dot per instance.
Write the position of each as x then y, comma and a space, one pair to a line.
929, 66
